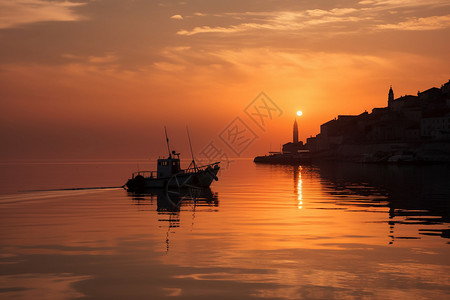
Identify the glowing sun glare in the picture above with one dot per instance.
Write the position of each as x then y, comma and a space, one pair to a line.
299, 113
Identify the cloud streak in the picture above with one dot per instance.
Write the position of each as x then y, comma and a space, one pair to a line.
368, 14
20, 12
280, 21
430, 23
404, 3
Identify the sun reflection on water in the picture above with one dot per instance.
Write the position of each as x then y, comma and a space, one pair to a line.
298, 185
377, 224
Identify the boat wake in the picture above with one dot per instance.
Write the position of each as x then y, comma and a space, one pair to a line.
77, 189
38, 195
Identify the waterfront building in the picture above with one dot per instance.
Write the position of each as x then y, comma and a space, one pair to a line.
406, 122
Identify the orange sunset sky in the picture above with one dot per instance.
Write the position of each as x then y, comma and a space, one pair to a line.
101, 78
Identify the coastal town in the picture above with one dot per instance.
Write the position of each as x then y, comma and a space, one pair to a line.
411, 128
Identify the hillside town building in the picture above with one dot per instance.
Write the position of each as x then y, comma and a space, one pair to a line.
412, 122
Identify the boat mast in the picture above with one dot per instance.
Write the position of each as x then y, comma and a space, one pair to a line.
190, 146
167, 141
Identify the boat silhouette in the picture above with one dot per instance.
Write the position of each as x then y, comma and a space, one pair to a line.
170, 175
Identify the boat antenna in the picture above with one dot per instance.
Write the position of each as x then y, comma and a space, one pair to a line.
167, 141
190, 146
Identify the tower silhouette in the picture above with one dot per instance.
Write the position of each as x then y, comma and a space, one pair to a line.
390, 96
295, 133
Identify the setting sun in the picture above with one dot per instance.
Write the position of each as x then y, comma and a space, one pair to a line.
117, 63
151, 149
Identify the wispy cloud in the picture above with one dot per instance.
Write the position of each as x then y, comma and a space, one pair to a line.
429, 23
177, 17
230, 29
256, 61
106, 58
280, 21
369, 14
19, 12
404, 3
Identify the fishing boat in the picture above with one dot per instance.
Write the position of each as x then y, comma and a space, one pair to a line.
170, 175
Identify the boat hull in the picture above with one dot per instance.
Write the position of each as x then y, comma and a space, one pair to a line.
201, 178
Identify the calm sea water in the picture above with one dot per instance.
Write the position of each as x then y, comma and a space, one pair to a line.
337, 231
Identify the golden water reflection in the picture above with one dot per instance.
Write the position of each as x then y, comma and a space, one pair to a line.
298, 185
320, 232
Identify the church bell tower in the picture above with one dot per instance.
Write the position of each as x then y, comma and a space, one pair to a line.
390, 96
295, 135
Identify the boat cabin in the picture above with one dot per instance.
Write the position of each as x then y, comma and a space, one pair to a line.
168, 166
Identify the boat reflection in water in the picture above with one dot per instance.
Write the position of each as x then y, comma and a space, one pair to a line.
333, 231
413, 195
170, 202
